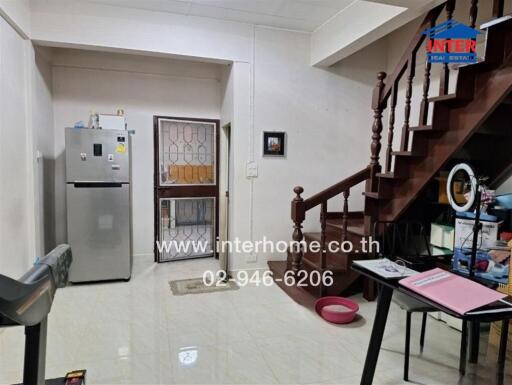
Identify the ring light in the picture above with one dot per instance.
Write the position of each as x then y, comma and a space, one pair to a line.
472, 193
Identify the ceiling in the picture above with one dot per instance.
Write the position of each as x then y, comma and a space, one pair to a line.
301, 15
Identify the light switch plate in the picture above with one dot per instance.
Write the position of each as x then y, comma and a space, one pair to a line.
252, 169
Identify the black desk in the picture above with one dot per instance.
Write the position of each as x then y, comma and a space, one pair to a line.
386, 288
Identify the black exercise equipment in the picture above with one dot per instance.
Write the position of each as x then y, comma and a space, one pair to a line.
27, 302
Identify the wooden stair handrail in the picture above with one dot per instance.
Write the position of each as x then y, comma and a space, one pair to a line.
337, 188
299, 207
411, 50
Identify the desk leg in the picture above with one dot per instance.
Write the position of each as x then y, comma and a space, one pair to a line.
379, 325
463, 348
502, 352
474, 341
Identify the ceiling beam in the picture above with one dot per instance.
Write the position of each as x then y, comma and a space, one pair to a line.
360, 24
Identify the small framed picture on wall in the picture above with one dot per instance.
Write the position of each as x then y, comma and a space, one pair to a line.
274, 143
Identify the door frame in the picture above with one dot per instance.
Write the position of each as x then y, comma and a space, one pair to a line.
225, 193
210, 190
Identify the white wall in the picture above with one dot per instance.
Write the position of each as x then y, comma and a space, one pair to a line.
143, 87
317, 108
43, 158
327, 117
16, 231
226, 157
270, 86
273, 88
241, 216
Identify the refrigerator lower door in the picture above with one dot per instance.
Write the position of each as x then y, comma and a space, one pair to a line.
99, 231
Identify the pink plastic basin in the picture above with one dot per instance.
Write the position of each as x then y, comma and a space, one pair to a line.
337, 310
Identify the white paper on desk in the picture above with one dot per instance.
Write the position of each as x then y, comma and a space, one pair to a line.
385, 268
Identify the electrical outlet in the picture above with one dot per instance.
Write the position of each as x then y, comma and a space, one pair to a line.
252, 169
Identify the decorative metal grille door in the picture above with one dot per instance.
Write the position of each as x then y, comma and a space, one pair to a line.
187, 153
186, 188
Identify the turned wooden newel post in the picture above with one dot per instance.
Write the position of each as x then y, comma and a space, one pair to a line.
378, 106
298, 216
444, 82
473, 13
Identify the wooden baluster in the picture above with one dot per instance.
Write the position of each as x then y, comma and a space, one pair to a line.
298, 216
411, 66
346, 194
323, 260
323, 224
377, 106
426, 86
392, 106
445, 71
377, 119
497, 8
473, 13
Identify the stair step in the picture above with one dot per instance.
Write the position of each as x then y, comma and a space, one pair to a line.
389, 175
497, 47
497, 21
307, 296
336, 262
356, 230
451, 99
333, 262
315, 236
422, 128
442, 98
352, 229
376, 195
480, 66
406, 153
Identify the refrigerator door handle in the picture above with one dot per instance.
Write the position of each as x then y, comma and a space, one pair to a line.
97, 184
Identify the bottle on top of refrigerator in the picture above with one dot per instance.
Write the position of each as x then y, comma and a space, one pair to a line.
93, 120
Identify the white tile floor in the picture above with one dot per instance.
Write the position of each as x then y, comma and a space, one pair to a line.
139, 333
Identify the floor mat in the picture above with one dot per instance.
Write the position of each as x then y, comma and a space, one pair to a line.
197, 286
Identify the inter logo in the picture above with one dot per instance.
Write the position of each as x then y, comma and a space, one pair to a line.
451, 42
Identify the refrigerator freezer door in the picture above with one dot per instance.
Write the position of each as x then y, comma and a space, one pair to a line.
99, 232
97, 155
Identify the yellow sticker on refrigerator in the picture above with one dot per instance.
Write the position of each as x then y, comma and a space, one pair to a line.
121, 148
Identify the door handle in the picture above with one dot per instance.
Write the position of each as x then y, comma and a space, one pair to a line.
96, 184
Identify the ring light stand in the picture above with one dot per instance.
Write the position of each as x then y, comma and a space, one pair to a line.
475, 197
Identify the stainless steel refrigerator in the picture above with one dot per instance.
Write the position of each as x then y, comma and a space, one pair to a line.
98, 197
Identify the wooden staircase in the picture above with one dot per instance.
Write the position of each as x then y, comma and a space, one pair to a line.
471, 124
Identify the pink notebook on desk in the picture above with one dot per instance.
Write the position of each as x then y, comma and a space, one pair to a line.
452, 291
